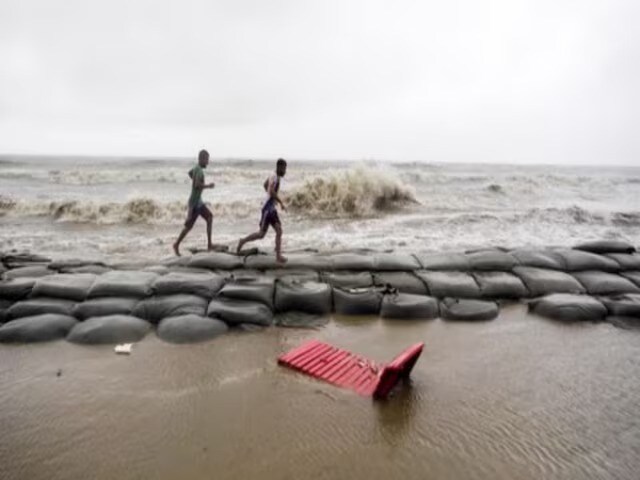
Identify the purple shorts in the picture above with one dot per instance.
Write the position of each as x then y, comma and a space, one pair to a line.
193, 213
269, 217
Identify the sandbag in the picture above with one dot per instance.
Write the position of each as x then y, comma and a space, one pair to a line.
293, 319
67, 264
568, 307
123, 284
40, 306
4, 306
37, 328
235, 312
111, 329
450, 284
301, 275
405, 282
577, 260
500, 285
540, 281
627, 323
492, 260
626, 261
18, 260
606, 246
357, 301
468, 310
159, 269
101, 307
351, 261
259, 289
204, 285
190, 329
444, 261
348, 279
600, 283
28, 272
95, 269
397, 262
154, 309
408, 306
625, 305
537, 258
633, 276
216, 261
307, 297
16, 289
304, 261
70, 286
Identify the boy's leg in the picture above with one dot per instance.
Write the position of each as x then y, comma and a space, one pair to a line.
188, 225
278, 228
208, 217
250, 238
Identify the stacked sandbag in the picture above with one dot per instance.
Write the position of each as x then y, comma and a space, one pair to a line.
190, 329
357, 301
408, 306
352, 261
69, 286
239, 312
37, 328
626, 261
491, 260
205, 285
578, 260
117, 283
623, 310
301, 275
35, 271
444, 261
606, 246
105, 306
14, 260
455, 284
215, 261
632, 276
347, 279
569, 307
4, 307
541, 281
254, 289
500, 285
40, 306
537, 259
157, 307
300, 296
395, 262
601, 283
17, 288
110, 329
404, 282
295, 261
468, 310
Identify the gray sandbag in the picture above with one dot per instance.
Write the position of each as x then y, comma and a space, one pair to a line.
67, 264
259, 289
216, 261
154, 309
492, 260
205, 285
395, 262
348, 279
19, 260
70, 286
300, 320
606, 246
95, 269
190, 329
2, 269
357, 301
626, 323
159, 269
408, 306
101, 307
123, 283
40, 306
540, 281
307, 297
351, 261
444, 261
468, 310
450, 284
16, 289
111, 329
601, 283
301, 275
625, 305
37, 328
537, 258
28, 272
626, 261
4, 306
405, 282
500, 285
568, 307
236, 312
633, 276
577, 260
299, 261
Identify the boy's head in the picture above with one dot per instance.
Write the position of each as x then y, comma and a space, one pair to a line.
281, 167
203, 158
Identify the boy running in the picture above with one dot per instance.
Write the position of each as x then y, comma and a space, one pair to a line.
196, 206
270, 212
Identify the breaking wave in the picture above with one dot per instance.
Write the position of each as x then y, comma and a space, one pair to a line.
358, 192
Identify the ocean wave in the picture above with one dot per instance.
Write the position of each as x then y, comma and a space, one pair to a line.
358, 192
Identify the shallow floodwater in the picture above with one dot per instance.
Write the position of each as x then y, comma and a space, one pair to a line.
518, 397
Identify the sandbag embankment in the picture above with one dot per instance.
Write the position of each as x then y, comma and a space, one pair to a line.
254, 289
467, 310
569, 308
404, 282
307, 297
70, 286
408, 306
100, 307
357, 301
238, 312
455, 284
123, 283
154, 309
37, 328
205, 285
109, 329
190, 329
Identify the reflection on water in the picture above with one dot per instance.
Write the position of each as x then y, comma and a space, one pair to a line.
518, 397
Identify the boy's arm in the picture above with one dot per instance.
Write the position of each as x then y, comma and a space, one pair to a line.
273, 194
198, 183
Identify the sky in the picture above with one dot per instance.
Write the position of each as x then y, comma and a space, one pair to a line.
507, 81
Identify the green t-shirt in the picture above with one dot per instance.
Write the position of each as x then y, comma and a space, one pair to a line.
196, 193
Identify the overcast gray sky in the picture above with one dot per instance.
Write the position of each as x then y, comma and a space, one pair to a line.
544, 81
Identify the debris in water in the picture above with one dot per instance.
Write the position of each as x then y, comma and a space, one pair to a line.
124, 348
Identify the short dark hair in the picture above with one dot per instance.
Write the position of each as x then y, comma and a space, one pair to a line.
202, 154
281, 163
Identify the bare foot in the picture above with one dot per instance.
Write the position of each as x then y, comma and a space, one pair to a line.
240, 245
176, 249
210, 247
281, 259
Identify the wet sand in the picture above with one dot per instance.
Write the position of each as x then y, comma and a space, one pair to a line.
518, 397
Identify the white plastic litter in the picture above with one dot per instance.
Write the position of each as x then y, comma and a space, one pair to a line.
124, 348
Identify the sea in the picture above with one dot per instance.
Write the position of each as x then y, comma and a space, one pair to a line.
134, 208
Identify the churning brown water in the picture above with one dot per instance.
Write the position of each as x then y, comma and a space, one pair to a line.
516, 398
